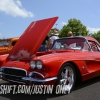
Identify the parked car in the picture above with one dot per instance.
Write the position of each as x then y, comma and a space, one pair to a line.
69, 60
6, 45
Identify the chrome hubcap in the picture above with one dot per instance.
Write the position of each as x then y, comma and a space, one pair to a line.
67, 78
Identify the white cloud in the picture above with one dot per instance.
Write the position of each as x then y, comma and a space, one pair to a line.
63, 23
18, 2
14, 8
93, 30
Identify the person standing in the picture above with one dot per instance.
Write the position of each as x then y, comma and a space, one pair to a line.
53, 37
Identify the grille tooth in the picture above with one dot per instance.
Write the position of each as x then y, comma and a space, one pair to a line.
14, 74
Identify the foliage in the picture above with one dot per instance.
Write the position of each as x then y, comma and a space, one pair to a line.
96, 36
51, 31
75, 26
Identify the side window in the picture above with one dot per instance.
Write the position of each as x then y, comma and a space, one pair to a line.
98, 47
56, 45
4, 43
94, 46
86, 46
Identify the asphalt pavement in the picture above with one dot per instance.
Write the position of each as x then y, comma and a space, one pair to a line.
88, 90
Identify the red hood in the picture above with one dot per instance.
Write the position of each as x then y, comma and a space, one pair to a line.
31, 39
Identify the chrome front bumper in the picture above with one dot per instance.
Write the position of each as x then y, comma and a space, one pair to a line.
24, 79
39, 80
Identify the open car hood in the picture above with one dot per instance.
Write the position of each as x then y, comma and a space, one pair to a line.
30, 41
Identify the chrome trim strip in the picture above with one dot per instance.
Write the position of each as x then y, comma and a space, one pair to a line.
39, 80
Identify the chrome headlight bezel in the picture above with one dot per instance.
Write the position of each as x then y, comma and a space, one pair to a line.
39, 64
32, 64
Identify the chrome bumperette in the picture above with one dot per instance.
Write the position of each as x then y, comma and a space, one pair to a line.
35, 79
31, 73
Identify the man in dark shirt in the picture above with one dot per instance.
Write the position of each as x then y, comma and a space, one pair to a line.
43, 45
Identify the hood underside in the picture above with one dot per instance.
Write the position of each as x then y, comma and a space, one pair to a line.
30, 41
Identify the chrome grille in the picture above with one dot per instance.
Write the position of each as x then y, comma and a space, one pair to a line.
16, 72
13, 74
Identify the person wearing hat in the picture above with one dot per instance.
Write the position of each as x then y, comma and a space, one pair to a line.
53, 37
70, 34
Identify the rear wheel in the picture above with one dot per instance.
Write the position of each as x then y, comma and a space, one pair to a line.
66, 77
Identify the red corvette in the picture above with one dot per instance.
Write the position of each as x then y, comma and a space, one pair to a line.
69, 59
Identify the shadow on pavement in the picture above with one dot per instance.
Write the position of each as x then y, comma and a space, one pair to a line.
87, 83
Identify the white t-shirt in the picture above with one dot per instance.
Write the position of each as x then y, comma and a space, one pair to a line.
53, 38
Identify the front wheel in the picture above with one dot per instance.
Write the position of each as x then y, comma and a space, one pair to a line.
66, 77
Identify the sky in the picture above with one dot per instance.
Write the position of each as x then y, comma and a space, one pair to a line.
16, 15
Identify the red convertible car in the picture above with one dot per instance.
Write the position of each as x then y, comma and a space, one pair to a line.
69, 59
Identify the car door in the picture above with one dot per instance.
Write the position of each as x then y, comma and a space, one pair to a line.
3, 50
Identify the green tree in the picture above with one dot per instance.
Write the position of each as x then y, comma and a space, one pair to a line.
96, 36
51, 31
75, 26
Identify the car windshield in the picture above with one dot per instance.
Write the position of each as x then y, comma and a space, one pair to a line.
4, 43
70, 43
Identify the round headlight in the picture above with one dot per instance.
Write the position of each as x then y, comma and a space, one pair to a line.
32, 64
39, 64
